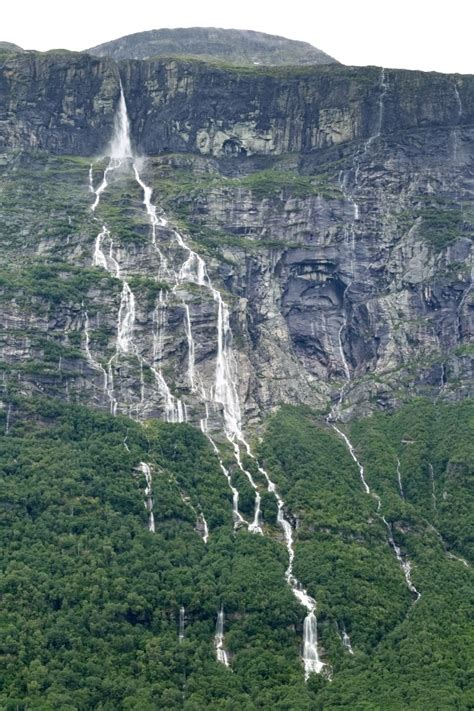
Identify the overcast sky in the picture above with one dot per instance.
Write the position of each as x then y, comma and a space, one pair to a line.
410, 34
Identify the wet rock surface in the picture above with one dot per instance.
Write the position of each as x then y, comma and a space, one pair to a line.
334, 208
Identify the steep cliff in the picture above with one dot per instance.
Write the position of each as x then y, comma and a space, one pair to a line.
211, 247
333, 205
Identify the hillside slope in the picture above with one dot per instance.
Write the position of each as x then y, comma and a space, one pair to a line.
241, 47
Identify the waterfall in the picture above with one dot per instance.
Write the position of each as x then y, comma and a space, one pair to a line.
311, 659
99, 258
237, 517
458, 101
205, 527
7, 419
433, 487
254, 527
404, 564
221, 654
155, 221
126, 319
399, 478
312, 663
120, 146
353, 455
145, 469
382, 93
201, 524
181, 624
342, 328
190, 339
119, 152
346, 640
224, 392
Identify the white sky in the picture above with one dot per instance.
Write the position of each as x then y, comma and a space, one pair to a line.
410, 34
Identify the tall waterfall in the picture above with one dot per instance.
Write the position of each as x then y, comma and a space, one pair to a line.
222, 396
145, 469
120, 154
221, 653
399, 480
181, 624
346, 641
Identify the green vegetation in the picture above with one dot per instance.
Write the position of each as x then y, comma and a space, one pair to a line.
90, 597
441, 220
405, 656
52, 283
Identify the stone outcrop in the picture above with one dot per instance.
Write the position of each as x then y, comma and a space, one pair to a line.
334, 207
65, 103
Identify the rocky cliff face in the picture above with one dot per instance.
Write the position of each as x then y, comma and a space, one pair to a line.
333, 206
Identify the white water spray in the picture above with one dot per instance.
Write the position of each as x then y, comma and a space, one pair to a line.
223, 393
346, 641
181, 624
190, 339
120, 146
399, 479
221, 653
126, 320
145, 469
7, 419
404, 563
237, 517
120, 151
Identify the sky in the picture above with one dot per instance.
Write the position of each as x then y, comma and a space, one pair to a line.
431, 35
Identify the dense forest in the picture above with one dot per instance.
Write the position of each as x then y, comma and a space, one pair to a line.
91, 598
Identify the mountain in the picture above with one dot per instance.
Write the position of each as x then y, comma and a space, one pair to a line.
240, 47
10, 47
236, 398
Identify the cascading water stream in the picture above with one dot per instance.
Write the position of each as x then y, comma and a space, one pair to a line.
221, 653
458, 101
155, 221
201, 524
433, 488
191, 349
224, 391
120, 151
404, 564
7, 419
126, 320
346, 641
335, 412
181, 624
311, 658
237, 517
145, 469
399, 479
